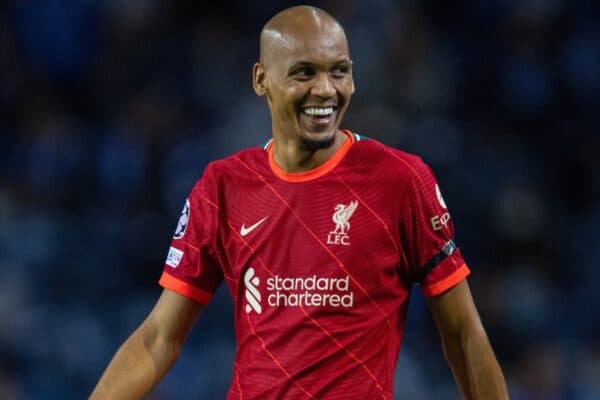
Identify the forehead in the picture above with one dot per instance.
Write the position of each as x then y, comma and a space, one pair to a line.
316, 46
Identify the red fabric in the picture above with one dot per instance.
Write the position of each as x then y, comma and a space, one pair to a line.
351, 279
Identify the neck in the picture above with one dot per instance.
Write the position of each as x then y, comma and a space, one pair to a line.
290, 155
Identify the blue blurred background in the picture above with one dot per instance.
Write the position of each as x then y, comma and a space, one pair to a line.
109, 110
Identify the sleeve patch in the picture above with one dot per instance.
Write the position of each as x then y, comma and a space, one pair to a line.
174, 257
183, 221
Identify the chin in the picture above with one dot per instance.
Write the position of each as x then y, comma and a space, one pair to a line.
313, 144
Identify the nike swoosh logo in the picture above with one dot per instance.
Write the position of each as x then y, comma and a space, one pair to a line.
244, 231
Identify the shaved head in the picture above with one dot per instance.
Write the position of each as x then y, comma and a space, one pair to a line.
295, 23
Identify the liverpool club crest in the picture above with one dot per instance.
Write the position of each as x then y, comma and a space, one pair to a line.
341, 218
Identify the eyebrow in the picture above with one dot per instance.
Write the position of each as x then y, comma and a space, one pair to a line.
303, 63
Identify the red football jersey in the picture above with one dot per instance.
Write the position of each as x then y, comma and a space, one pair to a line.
320, 265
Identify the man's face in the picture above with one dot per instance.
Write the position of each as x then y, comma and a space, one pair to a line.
308, 83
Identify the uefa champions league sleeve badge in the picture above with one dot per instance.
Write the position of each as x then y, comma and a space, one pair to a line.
183, 221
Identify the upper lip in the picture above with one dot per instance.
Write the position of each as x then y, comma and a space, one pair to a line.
334, 106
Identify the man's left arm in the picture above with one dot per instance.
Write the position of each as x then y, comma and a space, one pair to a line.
466, 346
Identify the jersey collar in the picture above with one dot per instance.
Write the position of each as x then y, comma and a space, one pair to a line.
315, 172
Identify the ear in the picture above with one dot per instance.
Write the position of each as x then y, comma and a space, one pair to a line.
352, 79
258, 79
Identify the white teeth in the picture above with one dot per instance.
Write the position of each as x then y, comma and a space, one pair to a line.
318, 111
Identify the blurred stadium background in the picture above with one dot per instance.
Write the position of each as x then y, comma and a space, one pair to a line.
109, 110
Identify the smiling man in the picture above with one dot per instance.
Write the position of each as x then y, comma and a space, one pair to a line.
321, 264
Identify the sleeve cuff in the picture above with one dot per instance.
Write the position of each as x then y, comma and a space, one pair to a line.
185, 289
450, 281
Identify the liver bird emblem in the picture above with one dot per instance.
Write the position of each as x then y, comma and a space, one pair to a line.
342, 215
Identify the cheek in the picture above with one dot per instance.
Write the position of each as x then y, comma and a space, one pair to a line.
284, 105
347, 88
289, 99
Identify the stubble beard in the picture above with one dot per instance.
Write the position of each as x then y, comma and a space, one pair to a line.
314, 145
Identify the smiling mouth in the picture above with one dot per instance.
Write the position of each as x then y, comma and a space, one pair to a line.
319, 115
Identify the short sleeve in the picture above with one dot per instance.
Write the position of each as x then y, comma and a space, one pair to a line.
427, 234
191, 268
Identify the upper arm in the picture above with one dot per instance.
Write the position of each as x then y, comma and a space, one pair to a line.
426, 232
173, 316
454, 310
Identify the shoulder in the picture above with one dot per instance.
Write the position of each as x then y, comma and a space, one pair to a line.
234, 169
396, 162
247, 159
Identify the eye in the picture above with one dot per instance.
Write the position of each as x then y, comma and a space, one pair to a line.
303, 73
341, 70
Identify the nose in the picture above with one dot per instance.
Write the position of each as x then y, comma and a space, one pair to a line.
323, 87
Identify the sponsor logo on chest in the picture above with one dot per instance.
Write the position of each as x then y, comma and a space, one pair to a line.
310, 291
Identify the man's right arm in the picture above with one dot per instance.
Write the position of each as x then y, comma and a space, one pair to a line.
148, 354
